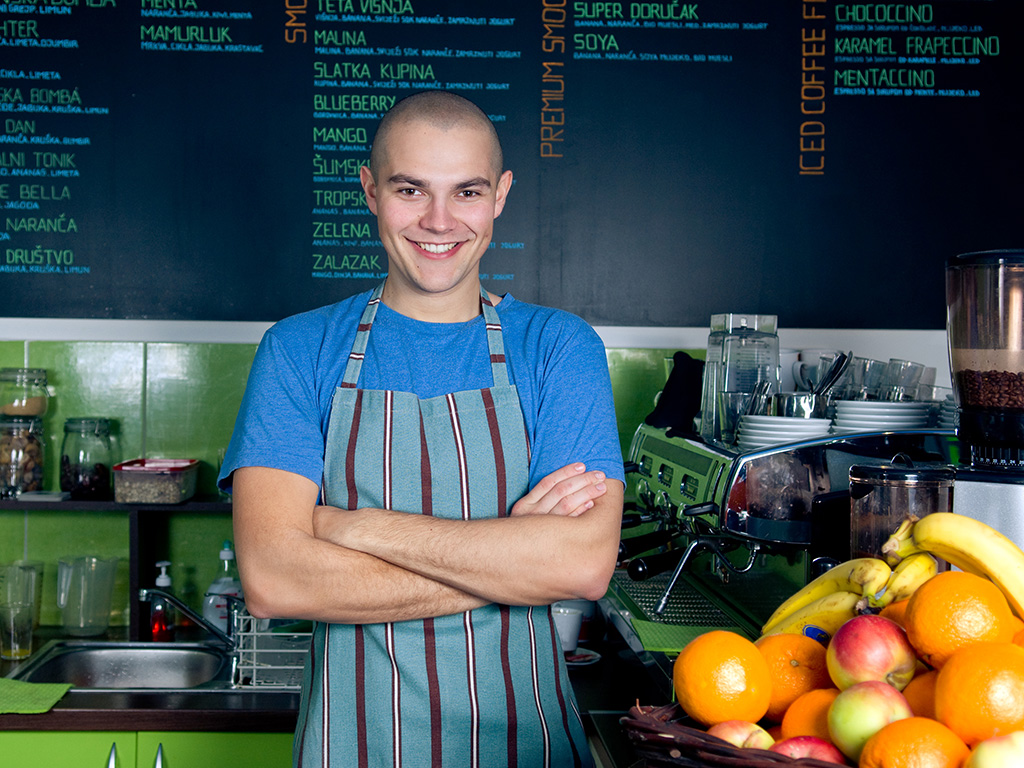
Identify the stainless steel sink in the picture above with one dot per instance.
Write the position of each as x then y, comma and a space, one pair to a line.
113, 665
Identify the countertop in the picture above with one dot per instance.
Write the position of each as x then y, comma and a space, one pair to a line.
604, 691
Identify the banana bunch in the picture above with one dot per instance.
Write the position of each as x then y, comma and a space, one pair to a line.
831, 599
858, 585
909, 574
966, 543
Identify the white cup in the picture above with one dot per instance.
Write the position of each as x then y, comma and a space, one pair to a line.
567, 623
589, 608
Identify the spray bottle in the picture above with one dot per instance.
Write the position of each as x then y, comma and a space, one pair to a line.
215, 607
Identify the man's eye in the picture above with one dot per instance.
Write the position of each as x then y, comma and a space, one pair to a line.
469, 193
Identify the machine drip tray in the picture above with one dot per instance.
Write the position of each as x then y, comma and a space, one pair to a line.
686, 605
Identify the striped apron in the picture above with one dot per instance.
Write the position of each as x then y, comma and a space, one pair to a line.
487, 687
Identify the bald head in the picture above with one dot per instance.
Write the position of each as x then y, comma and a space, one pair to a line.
441, 110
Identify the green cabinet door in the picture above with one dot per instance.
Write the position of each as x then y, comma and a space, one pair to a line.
66, 749
190, 749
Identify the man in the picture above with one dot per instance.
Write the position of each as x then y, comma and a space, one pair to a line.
424, 468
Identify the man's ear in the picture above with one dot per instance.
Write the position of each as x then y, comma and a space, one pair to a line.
369, 188
504, 185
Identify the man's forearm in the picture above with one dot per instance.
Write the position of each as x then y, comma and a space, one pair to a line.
287, 572
530, 560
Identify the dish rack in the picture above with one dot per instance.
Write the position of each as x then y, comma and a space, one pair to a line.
270, 653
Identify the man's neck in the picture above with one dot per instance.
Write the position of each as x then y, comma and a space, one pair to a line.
455, 307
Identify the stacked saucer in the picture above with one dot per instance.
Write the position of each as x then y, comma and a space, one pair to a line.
763, 431
879, 416
948, 416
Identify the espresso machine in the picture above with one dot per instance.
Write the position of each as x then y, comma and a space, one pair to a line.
985, 331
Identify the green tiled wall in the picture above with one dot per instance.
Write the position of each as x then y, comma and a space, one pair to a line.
176, 400
165, 400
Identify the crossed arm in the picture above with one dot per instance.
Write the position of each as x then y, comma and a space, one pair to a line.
300, 560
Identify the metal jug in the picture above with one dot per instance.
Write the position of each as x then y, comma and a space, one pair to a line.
85, 589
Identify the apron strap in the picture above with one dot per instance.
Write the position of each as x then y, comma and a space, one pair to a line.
354, 366
495, 342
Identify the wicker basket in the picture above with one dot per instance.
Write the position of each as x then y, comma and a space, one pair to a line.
660, 736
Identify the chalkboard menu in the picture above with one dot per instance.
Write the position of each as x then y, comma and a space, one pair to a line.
818, 160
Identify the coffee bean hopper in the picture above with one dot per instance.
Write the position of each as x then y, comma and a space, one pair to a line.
743, 529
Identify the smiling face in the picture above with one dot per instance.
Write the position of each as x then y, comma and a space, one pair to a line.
436, 195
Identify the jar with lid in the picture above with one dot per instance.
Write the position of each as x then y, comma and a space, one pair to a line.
23, 392
21, 455
86, 459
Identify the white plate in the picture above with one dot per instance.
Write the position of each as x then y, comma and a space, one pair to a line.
582, 657
848, 422
879, 406
776, 420
768, 431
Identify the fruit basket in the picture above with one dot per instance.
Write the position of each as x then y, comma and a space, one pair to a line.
660, 736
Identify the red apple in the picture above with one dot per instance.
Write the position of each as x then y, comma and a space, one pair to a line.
870, 647
861, 711
998, 752
808, 746
741, 733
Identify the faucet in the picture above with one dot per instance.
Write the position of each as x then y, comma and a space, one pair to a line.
145, 595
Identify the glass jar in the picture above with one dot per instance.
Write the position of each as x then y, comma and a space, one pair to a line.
21, 455
86, 459
23, 392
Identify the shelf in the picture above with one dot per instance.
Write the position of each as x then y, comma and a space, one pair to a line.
196, 504
147, 536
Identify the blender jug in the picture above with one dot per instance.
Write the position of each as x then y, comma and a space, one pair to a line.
985, 332
743, 350
85, 588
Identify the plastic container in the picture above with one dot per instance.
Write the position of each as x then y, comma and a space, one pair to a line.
882, 497
215, 607
155, 481
984, 307
21, 455
743, 350
85, 459
23, 392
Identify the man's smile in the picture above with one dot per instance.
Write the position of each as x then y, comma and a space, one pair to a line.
438, 248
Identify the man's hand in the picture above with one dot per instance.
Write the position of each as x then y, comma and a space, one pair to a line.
569, 492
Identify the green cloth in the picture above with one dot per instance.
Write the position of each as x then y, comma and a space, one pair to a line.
670, 638
29, 698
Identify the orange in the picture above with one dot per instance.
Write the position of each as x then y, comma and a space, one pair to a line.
808, 715
1018, 639
920, 693
914, 742
953, 609
720, 675
896, 611
797, 665
979, 692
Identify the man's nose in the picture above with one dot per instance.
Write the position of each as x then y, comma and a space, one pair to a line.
438, 215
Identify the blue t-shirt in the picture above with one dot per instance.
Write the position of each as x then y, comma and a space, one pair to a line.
556, 361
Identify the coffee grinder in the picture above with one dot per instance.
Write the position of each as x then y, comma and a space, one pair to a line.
985, 330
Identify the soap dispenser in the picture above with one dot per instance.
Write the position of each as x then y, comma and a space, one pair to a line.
215, 607
161, 612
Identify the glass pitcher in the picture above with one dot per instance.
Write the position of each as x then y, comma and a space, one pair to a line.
85, 589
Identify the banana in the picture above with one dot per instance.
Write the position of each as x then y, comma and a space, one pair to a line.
863, 575
901, 544
820, 619
907, 576
976, 547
